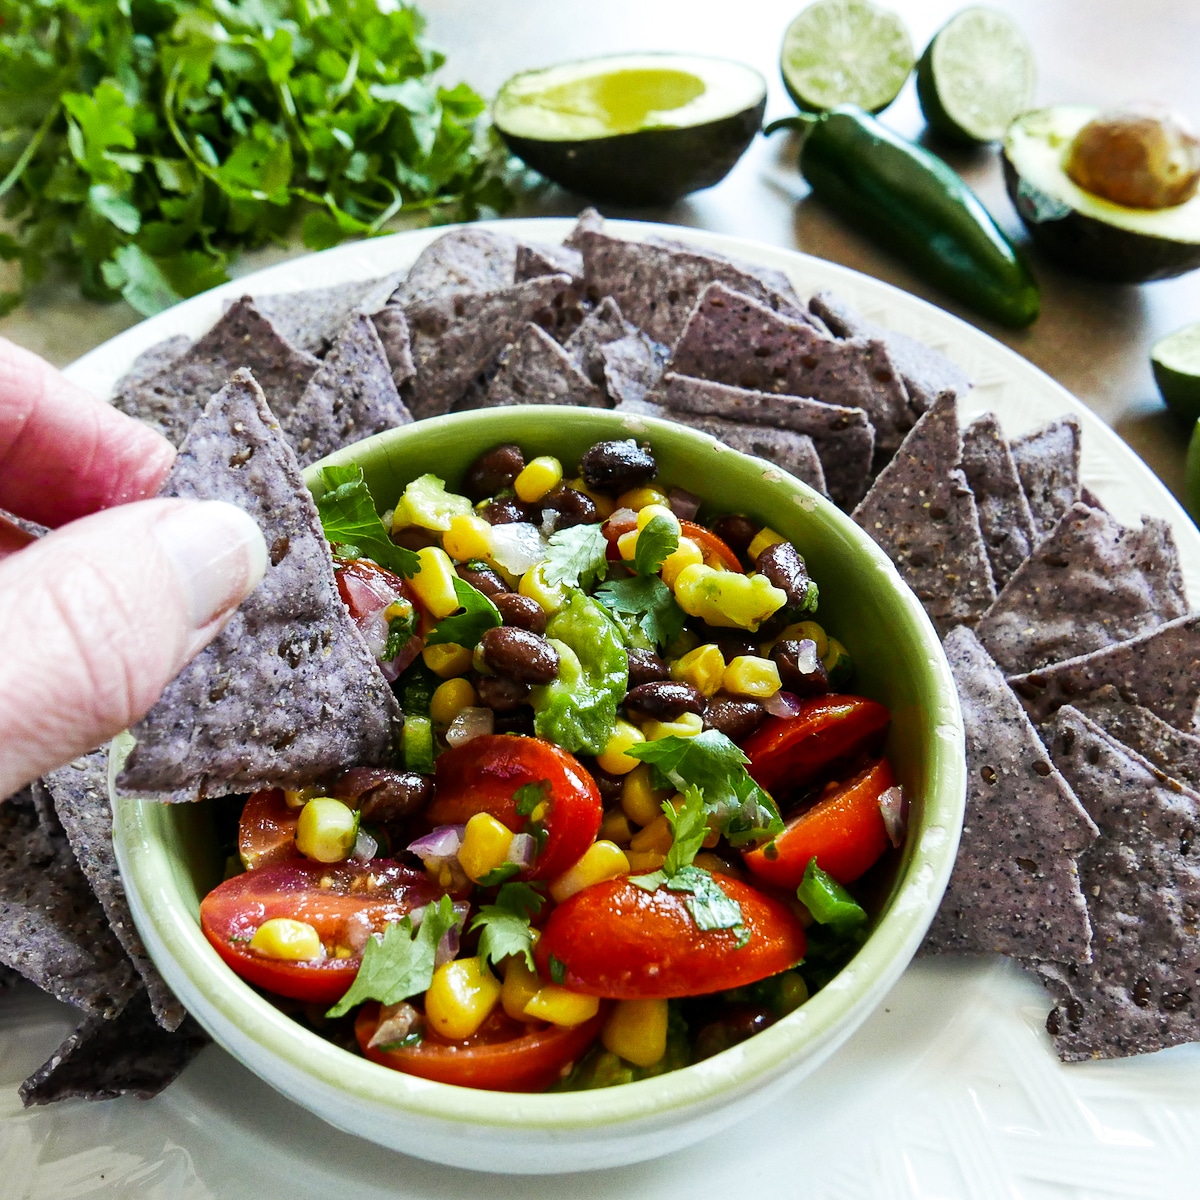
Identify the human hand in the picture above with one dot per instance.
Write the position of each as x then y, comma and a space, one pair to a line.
100, 614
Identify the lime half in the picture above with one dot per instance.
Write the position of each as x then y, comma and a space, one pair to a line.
845, 52
1175, 360
976, 76
1192, 484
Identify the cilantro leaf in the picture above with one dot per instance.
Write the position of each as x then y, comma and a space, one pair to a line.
714, 764
399, 964
577, 556
529, 795
350, 522
658, 540
401, 627
504, 926
467, 627
649, 602
708, 904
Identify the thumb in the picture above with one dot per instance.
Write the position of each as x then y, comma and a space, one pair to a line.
97, 617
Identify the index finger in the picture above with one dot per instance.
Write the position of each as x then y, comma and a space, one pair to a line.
63, 453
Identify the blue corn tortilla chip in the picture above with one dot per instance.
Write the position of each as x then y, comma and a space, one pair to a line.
151, 361
1089, 584
288, 691
128, 1056
536, 258
1141, 881
1169, 750
351, 396
1047, 461
1009, 533
172, 399
731, 338
312, 319
392, 327
633, 365
52, 928
535, 369
843, 437
922, 514
79, 793
1015, 886
1159, 670
601, 327
460, 262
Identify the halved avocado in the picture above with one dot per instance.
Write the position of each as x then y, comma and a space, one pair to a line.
633, 128
1084, 231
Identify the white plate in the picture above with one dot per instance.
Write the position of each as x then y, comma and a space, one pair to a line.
951, 1090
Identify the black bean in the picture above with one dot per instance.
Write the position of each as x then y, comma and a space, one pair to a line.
493, 471
518, 654
484, 578
737, 532
415, 538
520, 721
521, 611
736, 1024
382, 795
646, 667
783, 566
735, 717
617, 466
801, 670
501, 695
505, 510
570, 507
730, 642
609, 786
664, 700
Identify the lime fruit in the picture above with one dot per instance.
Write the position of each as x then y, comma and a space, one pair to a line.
1192, 484
1175, 360
976, 76
845, 52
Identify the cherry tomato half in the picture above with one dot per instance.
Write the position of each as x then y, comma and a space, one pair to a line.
344, 902
504, 1055
621, 942
267, 830
844, 831
483, 775
716, 552
790, 752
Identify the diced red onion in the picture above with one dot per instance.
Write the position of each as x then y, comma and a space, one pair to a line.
622, 521
517, 546
356, 932
448, 947
522, 849
893, 806
440, 846
365, 847
470, 723
783, 704
395, 1024
683, 504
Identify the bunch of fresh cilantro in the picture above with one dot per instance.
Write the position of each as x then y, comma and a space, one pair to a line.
143, 143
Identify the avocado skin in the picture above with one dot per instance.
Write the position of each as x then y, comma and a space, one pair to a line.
1091, 246
651, 166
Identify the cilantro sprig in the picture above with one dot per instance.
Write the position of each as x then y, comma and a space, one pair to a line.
577, 556
467, 627
644, 600
353, 526
143, 145
504, 927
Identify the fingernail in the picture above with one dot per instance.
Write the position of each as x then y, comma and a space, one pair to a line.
218, 554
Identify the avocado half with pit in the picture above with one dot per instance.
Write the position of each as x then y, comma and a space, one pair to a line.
1083, 231
633, 128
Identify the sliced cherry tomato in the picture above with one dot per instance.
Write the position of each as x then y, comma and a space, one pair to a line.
267, 830
790, 752
716, 552
621, 942
344, 902
504, 1055
483, 775
367, 589
844, 831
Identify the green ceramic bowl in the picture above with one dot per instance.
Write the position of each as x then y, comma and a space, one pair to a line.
169, 860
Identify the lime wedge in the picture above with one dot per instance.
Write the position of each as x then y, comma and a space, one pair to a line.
1175, 360
845, 52
1192, 480
976, 76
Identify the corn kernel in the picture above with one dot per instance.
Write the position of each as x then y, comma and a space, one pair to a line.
485, 846
627, 545
642, 862
615, 826
449, 699
605, 505
641, 802
448, 659
703, 668
562, 1007
613, 758
727, 599
650, 511
434, 582
765, 537
749, 675
833, 651
637, 1031
638, 498
685, 725
287, 940
687, 554
468, 537
811, 631
520, 986
656, 836
551, 596
540, 476
460, 998
301, 798
600, 861
326, 830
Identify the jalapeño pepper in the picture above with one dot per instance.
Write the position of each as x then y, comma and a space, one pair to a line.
911, 203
